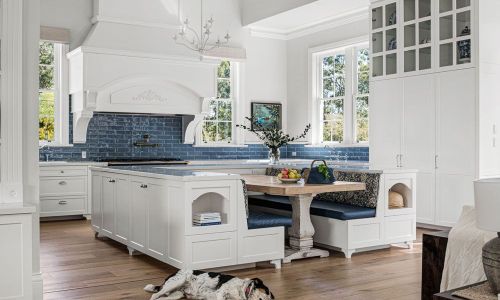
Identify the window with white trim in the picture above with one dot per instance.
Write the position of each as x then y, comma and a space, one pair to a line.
218, 125
53, 118
342, 83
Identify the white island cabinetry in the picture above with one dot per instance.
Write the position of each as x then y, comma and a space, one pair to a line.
152, 213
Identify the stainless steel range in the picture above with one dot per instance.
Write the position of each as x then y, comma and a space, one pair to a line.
144, 161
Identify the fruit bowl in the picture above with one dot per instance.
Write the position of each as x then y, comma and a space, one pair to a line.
283, 180
289, 176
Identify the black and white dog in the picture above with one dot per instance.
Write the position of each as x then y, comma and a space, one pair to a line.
209, 286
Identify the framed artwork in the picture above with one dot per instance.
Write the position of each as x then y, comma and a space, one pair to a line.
268, 115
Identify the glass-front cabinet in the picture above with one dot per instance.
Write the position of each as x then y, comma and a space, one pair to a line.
384, 38
417, 35
414, 36
455, 32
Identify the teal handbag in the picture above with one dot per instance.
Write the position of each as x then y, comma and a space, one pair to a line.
319, 175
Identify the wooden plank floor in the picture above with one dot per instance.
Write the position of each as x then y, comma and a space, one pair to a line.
75, 265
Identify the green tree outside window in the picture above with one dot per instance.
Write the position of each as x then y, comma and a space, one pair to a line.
46, 93
218, 125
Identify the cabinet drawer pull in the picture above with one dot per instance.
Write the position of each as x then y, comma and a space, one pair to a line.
144, 186
62, 172
62, 182
112, 180
63, 202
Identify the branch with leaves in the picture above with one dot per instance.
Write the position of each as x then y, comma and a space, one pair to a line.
273, 138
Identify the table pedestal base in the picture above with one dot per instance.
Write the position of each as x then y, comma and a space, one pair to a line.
302, 231
293, 254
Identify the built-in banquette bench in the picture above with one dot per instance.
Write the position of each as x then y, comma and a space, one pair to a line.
356, 221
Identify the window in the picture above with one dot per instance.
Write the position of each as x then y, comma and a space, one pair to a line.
218, 125
53, 95
342, 95
333, 98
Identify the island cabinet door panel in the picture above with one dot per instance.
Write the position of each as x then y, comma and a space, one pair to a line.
122, 208
157, 217
211, 250
96, 201
386, 113
138, 214
108, 205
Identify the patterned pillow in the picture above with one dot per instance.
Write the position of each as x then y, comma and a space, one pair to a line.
273, 171
245, 195
367, 198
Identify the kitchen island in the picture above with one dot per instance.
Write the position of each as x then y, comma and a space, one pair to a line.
150, 209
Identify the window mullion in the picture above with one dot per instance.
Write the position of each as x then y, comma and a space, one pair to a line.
57, 93
349, 92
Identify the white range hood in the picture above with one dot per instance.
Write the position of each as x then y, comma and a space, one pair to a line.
129, 64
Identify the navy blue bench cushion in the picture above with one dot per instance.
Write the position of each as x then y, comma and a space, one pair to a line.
257, 219
321, 208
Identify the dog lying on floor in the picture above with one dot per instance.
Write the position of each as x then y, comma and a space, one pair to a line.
209, 286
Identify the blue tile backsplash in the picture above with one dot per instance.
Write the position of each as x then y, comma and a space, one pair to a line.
112, 135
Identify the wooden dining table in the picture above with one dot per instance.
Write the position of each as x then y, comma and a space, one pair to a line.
301, 195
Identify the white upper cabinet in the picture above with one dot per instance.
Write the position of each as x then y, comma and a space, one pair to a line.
419, 130
385, 112
418, 36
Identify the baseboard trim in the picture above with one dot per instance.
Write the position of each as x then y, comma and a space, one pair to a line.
37, 284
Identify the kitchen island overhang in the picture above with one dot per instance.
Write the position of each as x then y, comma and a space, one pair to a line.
150, 210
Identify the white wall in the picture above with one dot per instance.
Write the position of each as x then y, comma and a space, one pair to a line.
74, 15
298, 70
255, 10
265, 76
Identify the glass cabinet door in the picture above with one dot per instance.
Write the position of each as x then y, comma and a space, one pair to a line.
417, 35
425, 28
384, 38
455, 29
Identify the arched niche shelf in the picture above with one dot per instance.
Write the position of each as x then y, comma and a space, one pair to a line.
212, 202
406, 195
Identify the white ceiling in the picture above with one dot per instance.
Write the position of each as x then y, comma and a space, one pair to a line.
309, 15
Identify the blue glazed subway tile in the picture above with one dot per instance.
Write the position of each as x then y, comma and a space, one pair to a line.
112, 136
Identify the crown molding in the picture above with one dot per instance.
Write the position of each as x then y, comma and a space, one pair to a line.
173, 59
100, 18
312, 27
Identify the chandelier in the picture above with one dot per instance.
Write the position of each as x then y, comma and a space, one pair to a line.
198, 41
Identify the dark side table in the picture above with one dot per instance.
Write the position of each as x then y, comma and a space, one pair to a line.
433, 255
448, 294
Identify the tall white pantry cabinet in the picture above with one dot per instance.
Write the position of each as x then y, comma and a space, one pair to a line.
435, 105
